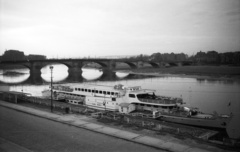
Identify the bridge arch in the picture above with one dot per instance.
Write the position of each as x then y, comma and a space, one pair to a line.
153, 64
131, 64
104, 65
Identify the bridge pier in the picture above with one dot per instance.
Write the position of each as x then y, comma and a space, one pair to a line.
75, 72
108, 75
35, 73
111, 65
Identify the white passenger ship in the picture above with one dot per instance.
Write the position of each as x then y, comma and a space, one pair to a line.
135, 99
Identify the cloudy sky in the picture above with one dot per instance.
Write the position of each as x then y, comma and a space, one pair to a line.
82, 28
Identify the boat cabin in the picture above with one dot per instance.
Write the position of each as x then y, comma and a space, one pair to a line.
126, 107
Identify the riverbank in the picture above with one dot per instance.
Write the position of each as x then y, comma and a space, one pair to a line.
202, 72
145, 137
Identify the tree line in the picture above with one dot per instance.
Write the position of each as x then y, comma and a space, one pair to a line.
209, 57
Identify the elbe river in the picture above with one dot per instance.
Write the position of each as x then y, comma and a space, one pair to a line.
209, 95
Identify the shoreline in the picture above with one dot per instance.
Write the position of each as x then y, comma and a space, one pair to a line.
208, 77
198, 72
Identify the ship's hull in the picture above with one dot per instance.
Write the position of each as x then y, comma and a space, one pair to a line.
220, 122
101, 103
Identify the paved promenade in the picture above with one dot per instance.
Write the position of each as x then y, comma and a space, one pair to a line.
79, 121
7, 146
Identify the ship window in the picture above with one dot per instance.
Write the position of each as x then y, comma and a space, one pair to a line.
113, 99
75, 89
82, 89
108, 93
104, 92
85, 90
96, 91
131, 95
112, 93
100, 91
93, 91
89, 90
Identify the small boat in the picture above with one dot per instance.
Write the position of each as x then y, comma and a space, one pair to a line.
194, 117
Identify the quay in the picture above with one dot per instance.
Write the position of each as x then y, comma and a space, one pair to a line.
162, 142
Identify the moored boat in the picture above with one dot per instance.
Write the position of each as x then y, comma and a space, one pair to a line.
128, 100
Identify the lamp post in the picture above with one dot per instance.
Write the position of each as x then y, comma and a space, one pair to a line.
51, 68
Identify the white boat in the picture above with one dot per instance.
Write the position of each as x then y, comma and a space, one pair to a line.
63, 93
131, 99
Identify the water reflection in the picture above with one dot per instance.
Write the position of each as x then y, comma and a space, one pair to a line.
60, 73
216, 80
34, 90
91, 74
122, 75
14, 76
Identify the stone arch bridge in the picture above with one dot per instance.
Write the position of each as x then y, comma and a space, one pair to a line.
75, 65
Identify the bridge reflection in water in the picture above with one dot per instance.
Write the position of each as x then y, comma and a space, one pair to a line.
62, 74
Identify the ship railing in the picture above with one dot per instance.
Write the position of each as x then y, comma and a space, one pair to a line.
158, 101
142, 115
174, 113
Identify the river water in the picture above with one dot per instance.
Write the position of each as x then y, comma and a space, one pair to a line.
222, 96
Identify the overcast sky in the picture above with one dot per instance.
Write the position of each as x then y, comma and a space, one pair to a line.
81, 28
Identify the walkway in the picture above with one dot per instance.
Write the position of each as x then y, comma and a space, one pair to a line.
78, 121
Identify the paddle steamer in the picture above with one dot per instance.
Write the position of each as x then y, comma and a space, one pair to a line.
129, 100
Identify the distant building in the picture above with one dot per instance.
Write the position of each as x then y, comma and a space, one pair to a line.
158, 57
213, 57
13, 55
36, 57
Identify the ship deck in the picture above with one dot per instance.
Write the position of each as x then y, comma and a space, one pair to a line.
159, 101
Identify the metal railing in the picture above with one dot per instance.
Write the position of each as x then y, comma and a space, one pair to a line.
158, 101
